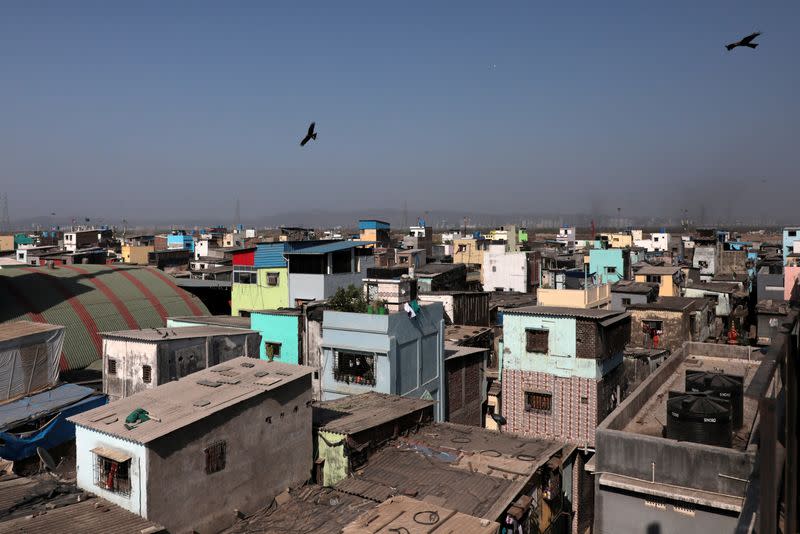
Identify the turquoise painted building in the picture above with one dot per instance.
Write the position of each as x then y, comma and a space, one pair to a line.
280, 334
610, 264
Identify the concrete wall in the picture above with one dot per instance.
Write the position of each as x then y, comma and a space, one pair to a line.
723, 307
675, 331
283, 329
136, 255
621, 511
466, 389
601, 259
791, 282
705, 258
87, 439
616, 300
269, 448
6, 243
505, 271
769, 286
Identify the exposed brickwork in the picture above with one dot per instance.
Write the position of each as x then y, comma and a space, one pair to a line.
616, 337
569, 420
675, 328
608, 395
455, 385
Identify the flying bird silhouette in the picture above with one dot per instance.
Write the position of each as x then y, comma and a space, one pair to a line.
310, 135
747, 41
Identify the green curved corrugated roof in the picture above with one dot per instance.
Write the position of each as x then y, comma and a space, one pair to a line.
87, 299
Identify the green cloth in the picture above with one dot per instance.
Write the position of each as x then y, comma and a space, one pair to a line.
139, 415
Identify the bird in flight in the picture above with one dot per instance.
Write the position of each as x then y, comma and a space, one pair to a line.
747, 41
310, 135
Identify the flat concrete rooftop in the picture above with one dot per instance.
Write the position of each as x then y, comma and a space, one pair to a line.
651, 418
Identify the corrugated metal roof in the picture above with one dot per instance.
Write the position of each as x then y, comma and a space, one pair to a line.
186, 332
356, 413
558, 311
394, 471
191, 398
218, 320
90, 298
270, 255
91, 515
331, 247
19, 329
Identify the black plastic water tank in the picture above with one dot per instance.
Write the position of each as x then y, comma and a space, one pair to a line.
721, 386
699, 418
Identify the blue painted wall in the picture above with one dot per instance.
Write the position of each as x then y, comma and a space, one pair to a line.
788, 240
278, 328
184, 241
601, 259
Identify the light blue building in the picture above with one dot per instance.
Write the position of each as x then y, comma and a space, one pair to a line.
790, 235
280, 334
393, 354
610, 264
179, 240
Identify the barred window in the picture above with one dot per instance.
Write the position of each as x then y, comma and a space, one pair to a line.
272, 349
355, 367
272, 279
147, 374
537, 340
112, 366
215, 457
112, 475
538, 402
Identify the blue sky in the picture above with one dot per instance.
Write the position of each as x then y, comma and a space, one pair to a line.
158, 109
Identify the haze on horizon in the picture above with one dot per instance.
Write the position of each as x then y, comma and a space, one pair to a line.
160, 109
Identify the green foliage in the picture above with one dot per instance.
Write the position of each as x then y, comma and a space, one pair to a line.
348, 299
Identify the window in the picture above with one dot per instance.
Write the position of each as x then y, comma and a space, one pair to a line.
272, 349
611, 270
626, 302
355, 367
245, 275
272, 279
112, 366
215, 457
537, 340
538, 402
792, 233
584, 400
147, 374
113, 475
713, 297
653, 278
462, 248
494, 268
652, 327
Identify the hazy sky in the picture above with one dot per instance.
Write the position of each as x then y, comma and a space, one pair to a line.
155, 108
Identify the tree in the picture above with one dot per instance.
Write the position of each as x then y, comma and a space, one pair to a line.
348, 299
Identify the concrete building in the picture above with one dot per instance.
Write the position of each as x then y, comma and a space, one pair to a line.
441, 277
7, 243
420, 237
393, 353
791, 283
136, 360
561, 370
610, 265
470, 251
180, 240
723, 295
566, 236
669, 278
595, 296
389, 293
669, 322
317, 272
706, 254
349, 429
461, 307
505, 271
646, 481
769, 284
78, 239
791, 235
627, 292
375, 231
136, 254
412, 258
770, 315
211, 440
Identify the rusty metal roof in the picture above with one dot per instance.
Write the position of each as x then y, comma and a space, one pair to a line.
91, 515
18, 329
304, 510
183, 402
559, 311
404, 514
356, 413
426, 475
216, 320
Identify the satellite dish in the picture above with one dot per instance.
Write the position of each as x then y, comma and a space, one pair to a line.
47, 460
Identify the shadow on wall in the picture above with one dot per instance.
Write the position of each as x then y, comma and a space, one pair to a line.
653, 528
37, 291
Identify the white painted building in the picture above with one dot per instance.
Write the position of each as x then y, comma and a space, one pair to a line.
505, 271
661, 241
208, 448
566, 235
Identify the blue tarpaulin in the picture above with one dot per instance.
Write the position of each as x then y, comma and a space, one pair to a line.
46, 414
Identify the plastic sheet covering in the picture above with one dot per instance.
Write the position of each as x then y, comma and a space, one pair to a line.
29, 362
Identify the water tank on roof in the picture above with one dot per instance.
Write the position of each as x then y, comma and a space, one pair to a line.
699, 418
721, 386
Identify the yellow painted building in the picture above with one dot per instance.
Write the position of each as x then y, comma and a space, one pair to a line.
620, 240
6, 243
668, 278
136, 254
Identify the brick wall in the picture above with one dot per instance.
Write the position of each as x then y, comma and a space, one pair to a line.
570, 419
675, 328
586, 338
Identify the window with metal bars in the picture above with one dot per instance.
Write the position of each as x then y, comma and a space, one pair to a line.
147, 374
112, 366
215, 457
112, 475
537, 340
354, 367
536, 401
